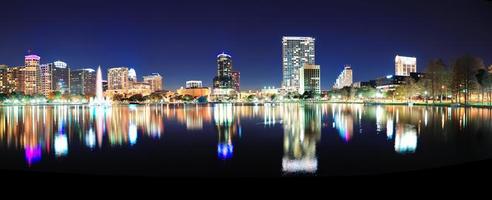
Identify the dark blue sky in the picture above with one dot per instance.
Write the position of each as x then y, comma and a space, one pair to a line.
181, 38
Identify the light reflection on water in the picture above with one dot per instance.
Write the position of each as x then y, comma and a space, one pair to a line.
44, 133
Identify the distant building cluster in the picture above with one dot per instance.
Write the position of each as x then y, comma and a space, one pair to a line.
301, 77
123, 81
345, 78
34, 78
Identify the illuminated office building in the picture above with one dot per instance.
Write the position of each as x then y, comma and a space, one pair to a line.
223, 79
118, 78
83, 82
296, 52
61, 77
223, 84
140, 88
29, 75
155, 82
345, 79
45, 79
4, 87
310, 78
236, 81
404, 66
13, 79
194, 84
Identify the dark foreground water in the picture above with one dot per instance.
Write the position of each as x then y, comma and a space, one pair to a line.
228, 140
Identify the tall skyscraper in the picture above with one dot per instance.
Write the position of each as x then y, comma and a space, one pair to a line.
223, 80
4, 87
118, 78
310, 79
83, 82
155, 81
345, 78
296, 52
405, 65
13, 79
29, 75
45, 85
236, 81
61, 77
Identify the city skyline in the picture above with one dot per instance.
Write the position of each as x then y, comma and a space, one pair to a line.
179, 36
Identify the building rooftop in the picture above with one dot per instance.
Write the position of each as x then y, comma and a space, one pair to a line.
224, 55
297, 38
32, 57
405, 59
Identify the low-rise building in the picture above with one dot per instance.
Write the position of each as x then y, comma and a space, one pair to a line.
195, 92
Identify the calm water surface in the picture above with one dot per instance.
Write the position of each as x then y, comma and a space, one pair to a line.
234, 140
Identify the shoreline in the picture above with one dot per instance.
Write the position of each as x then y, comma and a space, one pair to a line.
447, 104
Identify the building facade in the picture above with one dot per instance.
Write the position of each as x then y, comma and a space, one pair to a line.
4, 87
61, 77
345, 79
405, 65
236, 81
83, 82
118, 78
155, 81
13, 79
45, 79
223, 85
310, 79
194, 84
223, 80
296, 52
195, 92
29, 77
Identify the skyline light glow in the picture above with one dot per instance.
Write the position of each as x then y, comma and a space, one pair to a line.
179, 39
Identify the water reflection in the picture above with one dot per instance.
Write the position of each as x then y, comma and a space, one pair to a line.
44, 133
302, 131
226, 129
406, 138
344, 120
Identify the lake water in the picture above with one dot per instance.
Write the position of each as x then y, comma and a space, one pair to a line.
241, 140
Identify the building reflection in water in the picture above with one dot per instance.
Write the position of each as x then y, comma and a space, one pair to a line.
344, 120
194, 116
33, 155
270, 115
90, 139
50, 130
45, 132
226, 126
302, 131
406, 138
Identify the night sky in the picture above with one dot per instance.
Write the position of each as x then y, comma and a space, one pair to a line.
180, 38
